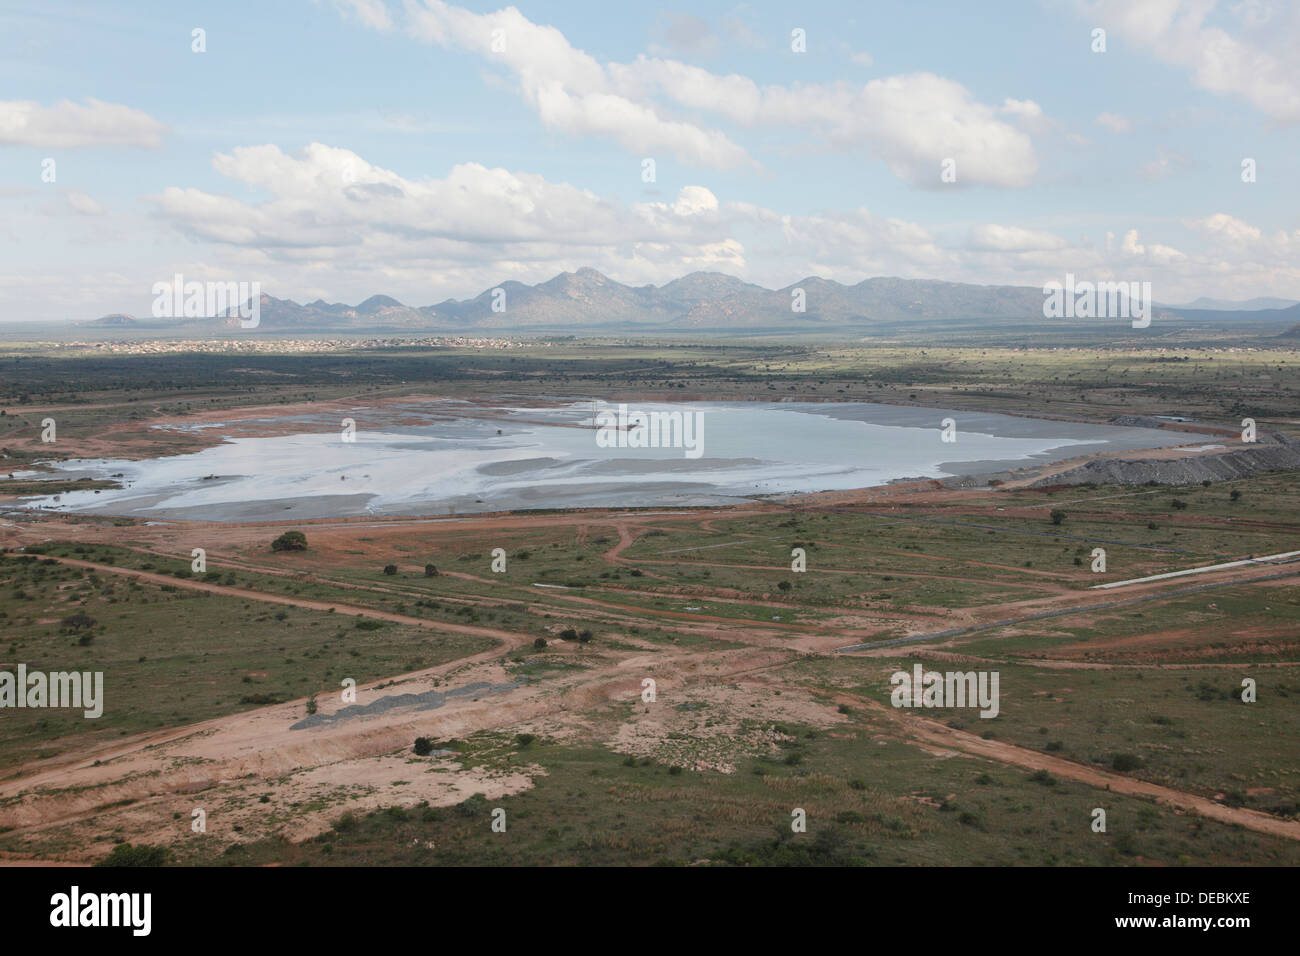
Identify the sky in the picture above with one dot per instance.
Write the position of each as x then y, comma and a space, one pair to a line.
337, 149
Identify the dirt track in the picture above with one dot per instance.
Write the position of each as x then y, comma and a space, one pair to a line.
231, 762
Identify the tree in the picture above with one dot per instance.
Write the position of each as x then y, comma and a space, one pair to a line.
390, 569
75, 623
290, 541
423, 746
430, 571
540, 643
1057, 516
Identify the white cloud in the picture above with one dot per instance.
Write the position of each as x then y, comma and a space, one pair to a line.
66, 125
994, 237
1114, 122
568, 88
912, 122
1163, 165
329, 205
371, 13
1226, 227
862, 59
83, 204
339, 226
1175, 32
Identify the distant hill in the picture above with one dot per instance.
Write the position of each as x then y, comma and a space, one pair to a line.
587, 301
118, 320
1289, 314
1204, 304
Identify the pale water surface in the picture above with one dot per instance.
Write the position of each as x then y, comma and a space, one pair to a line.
455, 462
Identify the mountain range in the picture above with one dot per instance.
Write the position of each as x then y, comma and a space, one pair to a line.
701, 302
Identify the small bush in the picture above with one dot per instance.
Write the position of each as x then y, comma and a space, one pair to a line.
124, 854
290, 541
1126, 762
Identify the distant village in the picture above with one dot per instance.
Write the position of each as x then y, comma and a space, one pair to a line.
286, 346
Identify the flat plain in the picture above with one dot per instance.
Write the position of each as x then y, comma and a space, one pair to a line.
527, 686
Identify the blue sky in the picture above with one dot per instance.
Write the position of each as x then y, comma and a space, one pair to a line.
339, 148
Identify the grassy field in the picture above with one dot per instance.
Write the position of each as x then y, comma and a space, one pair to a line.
868, 801
1143, 683
172, 657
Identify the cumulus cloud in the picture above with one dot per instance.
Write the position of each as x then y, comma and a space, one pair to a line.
329, 205
335, 224
999, 238
1261, 69
66, 125
1226, 227
912, 122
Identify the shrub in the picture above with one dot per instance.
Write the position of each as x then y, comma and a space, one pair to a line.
540, 643
1057, 516
124, 854
290, 541
1178, 504
784, 585
584, 637
430, 571
423, 746
1125, 762
390, 569
525, 739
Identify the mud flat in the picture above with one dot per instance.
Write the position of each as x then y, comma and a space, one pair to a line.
443, 457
